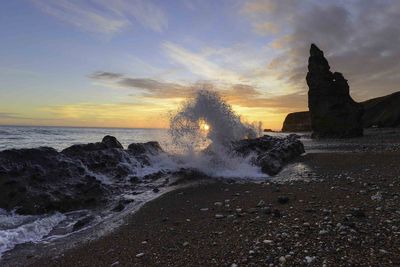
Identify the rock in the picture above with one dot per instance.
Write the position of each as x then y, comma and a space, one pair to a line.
381, 111
358, 213
297, 122
152, 148
82, 223
270, 153
41, 180
334, 114
219, 216
283, 199
377, 196
139, 255
111, 142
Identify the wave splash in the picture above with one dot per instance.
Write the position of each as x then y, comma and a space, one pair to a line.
202, 131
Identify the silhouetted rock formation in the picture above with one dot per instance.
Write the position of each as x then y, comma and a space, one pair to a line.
382, 111
334, 114
271, 153
297, 122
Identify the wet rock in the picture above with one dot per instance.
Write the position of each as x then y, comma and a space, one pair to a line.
105, 157
283, 199
152, 148
41, 180
334, 114
271, 153
82, 223
121, 205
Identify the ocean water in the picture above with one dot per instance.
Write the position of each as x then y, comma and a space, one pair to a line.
63, 137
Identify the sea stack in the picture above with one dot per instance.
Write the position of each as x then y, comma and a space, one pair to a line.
334, 114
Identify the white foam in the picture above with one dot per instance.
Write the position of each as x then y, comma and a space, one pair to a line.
32, 231
189, 139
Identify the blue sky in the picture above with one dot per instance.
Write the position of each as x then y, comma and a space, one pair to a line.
56, 57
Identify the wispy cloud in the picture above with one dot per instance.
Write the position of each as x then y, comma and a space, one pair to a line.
15, 116
199, 64
107, 17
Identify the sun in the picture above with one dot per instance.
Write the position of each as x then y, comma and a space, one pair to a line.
204, 126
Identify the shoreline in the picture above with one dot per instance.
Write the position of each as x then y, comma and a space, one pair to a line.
245, 223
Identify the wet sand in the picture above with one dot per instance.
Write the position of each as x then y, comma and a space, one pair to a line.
345, 213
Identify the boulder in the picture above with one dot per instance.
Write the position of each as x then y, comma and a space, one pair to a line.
334, 114
106, 157
41, 180
152, 148
297, 122
270, 153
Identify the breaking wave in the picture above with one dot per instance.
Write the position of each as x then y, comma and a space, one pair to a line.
20, 229
202, 131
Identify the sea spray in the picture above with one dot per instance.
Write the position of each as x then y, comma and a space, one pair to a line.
202, 132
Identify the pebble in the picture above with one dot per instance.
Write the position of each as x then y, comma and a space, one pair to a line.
283, 199
282, 259
114, 264
309, 259
204, 209
268, 242
139, 255
219, 216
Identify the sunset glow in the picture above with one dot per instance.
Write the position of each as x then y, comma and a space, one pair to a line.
104, 64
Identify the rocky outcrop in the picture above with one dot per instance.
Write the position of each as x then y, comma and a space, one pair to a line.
378, 112
334, 114
382, 111
41, 180
297, 122
270, 153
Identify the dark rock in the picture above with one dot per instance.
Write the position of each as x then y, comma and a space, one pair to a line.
283, 199
111, 142
271, 153
121, 205
297, 122
334, 114
277, 213
41, 180
82, 223
382, 111
106, 157
152, 148
358, 213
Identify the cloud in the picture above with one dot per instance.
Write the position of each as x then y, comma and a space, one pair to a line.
242, 95
6, 115
107, 17
199, 64
103, 75
360, 39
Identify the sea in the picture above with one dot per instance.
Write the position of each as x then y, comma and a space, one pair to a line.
63, 137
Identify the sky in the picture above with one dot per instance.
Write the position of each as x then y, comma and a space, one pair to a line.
130, 63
